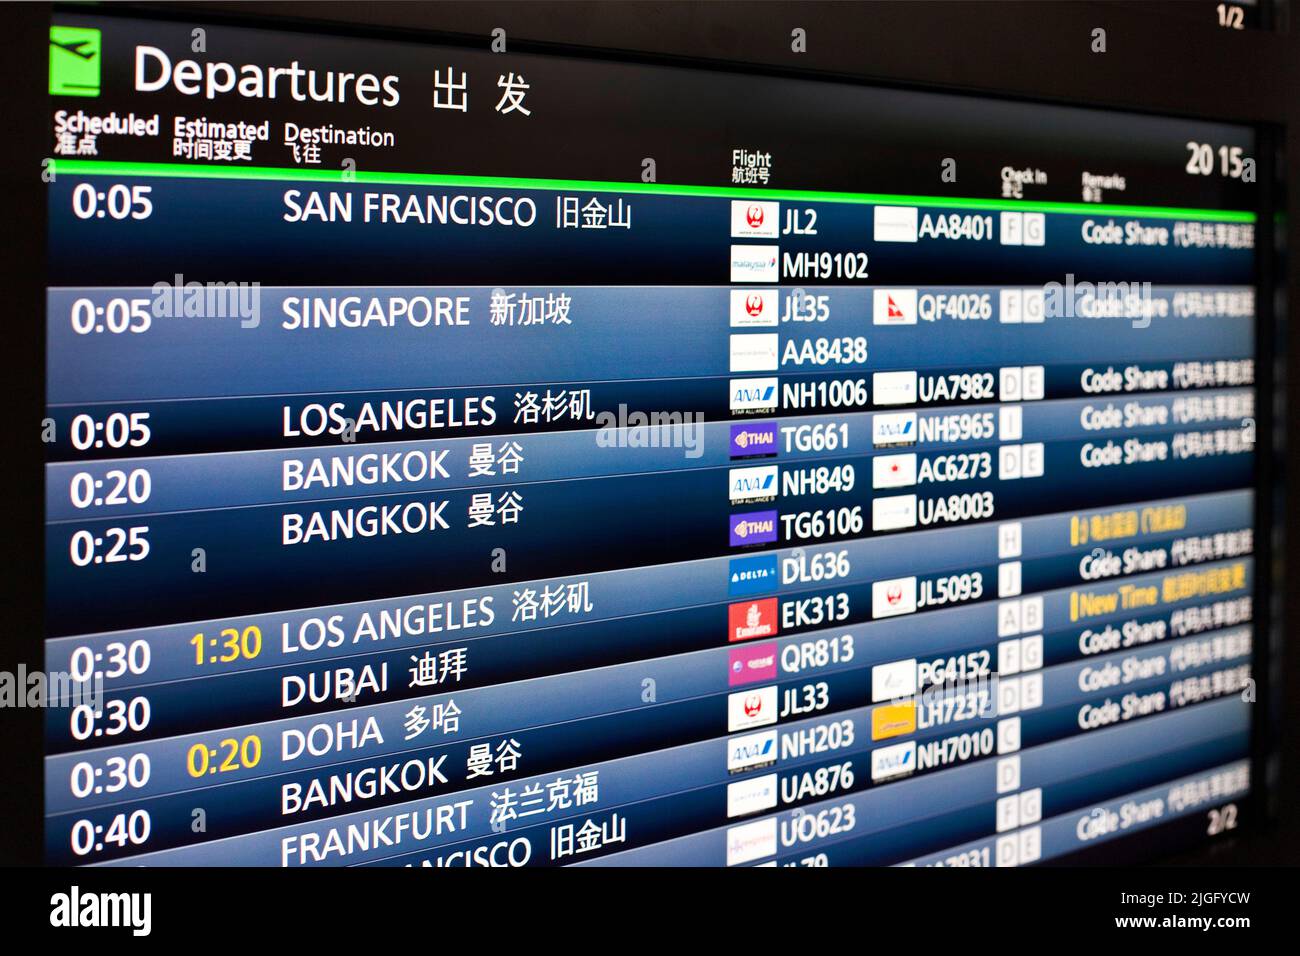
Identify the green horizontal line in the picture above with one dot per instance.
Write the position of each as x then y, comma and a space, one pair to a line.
94, 167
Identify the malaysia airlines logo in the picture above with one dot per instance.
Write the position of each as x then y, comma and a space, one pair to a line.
755, 264
753, 485
753, 396
893, 471
751, 708
754, 308
754, 220
753, 441
751, 619
752, 527
893, 597
893, 307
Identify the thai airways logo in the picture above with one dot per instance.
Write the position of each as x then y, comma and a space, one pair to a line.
893, 681
751, 664
893, 720
753, 441
893, 471
750, 619
754, 220
751, 708
751, 795
754, 308
893, 430
751, 396
755, 352
751, 751
893, 307
894, 597
74, 61
752, 527
894, 388
753, 485
751, 841
752, 575
893, 513
755, 264
896, 761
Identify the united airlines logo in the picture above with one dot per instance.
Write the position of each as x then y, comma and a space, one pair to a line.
752, 575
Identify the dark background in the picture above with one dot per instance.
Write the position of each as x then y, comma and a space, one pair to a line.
1162, 57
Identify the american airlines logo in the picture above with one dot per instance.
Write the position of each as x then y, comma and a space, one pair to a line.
754, 220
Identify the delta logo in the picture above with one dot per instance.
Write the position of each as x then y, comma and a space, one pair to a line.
754, 308
752, 527
752, 619
752, 575
752, 485
754, 220
751, 396
893, 720
753, 441
750, 664
893, 307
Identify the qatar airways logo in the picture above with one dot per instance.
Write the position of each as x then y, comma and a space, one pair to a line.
155, 70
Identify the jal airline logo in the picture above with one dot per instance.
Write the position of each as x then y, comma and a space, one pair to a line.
893, 720
754, 220
893, 471
753, 395
755, 352
747, 485
754, 308
889, 431
751, 841
751, 664
894, 388
752, 795
890, 514
752, 619
893, 681
751, 751
895, 761
751, 708
895, 223
893, 307
893, 597
755, 264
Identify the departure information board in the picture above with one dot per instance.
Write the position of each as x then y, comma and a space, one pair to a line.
473, 458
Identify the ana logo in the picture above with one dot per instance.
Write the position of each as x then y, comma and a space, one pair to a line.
753, 527
754, 220
756, 352
893, 307
755, 264
890, 514
893, 720
751, 708
752, 575
753, 484
754, 308
889, 431
891, 598
752, 795
750, 619
751, 751
74, 61
753, 441
895, 761
753, 395
750, 664
893, 471
893, 681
